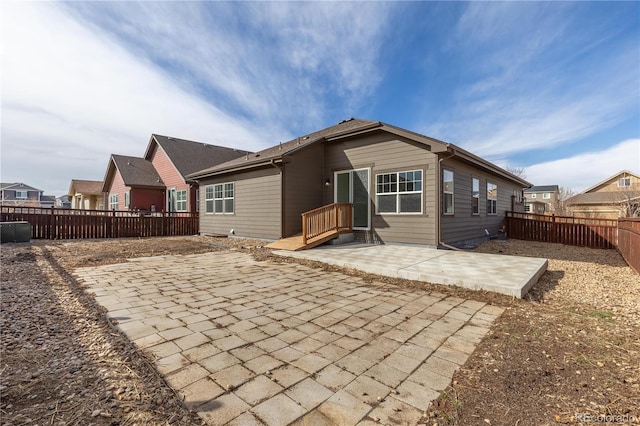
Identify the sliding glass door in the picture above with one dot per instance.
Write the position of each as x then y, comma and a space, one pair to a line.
352, 186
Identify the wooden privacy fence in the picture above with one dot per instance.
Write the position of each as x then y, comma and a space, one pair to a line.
594, 233
629, 241
53, 223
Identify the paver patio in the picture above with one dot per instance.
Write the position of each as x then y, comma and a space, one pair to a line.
249, 342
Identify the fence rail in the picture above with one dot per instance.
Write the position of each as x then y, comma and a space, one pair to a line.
333, 217
54, 223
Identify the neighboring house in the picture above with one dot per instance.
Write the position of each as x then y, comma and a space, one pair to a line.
175, 158
615, 197
158, 181
63, 202
19, 194
47, 201
132, 183
541, 199
86, 194
404, 187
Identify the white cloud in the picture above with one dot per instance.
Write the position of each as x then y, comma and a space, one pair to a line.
70, 97
536, 79
585, 170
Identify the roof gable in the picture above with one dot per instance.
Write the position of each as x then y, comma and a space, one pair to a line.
623, 173
191, 156
18, 186
134, 171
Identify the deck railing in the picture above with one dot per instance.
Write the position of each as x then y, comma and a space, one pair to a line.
54, 223
332, 217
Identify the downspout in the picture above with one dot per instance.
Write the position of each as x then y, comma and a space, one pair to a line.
439, 209
282, 215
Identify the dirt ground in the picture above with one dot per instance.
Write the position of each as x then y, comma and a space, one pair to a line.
572, 348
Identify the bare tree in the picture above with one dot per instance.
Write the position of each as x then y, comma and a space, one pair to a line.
521, 172
564, 194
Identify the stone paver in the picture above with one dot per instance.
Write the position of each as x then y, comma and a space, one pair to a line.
277, 344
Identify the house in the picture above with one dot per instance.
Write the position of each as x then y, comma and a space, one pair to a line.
158, 181
47, 201
20, 194
174, 159
63, 202
615, 197
86, 194
403, 187
541, 199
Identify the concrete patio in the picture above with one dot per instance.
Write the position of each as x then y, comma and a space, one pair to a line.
510, 275
247, 342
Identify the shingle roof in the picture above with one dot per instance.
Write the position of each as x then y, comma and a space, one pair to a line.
137, 171
19, 186
47, 198
190, 156
610, 179
91, 187
290, 146
543, 188
611, 197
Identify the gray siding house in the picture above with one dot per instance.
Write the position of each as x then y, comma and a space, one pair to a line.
404, 187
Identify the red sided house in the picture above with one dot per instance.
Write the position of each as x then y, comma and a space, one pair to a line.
158, 181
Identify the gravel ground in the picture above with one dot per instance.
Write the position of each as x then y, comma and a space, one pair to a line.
571, 347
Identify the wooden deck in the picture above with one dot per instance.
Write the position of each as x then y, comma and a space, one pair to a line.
295, 243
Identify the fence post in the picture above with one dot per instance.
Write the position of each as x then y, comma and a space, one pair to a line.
52, 228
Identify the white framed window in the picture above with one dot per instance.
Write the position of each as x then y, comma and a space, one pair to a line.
181, 200
22, 195
475, 196
399, 192
546, 195
127, 200
527, 208
113, 202
622, 182
198, 199
223, 196
447, 192
533, 195
208, 199
492, 198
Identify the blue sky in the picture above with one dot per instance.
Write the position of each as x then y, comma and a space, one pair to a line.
550, 86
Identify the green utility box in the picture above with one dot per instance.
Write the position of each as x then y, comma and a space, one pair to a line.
15, 232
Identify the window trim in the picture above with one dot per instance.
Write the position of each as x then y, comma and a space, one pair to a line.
533, 195
546, 195
475, 197
624, 179
494, 200
178, 201
397, 193
207, 198
21, 191
224, 198
127, 199
452, 192
114, 202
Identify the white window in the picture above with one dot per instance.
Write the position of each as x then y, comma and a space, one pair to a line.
527, 208
181, 200
198, 199
475, 196
546, 195
399, 192
223, 196
21, 195
127, 200
113, 202
208, 199
533, 195
622, 182
492, 198
447, 192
